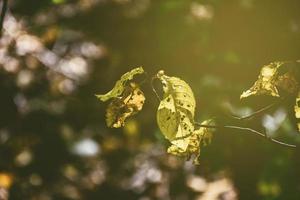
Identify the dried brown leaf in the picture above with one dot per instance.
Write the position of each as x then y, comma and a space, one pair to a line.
128, 104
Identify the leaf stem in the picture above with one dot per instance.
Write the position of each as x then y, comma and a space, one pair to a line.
153, 88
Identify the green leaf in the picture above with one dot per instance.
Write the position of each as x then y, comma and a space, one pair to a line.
120, 85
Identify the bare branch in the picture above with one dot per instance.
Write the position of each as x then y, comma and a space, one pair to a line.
255, 112
251, 131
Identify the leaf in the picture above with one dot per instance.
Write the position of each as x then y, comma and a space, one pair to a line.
175, 114
266, 81
271, 78
206, 133
274, 76
199, 137
120, 84
175, 118
297, 110
128, 104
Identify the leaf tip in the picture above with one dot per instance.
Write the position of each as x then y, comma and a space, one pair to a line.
100, 97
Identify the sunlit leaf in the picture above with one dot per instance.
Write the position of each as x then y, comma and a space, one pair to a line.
204, 133
271, 79
199, 137
175, 114
266, 83
277, 75
120, 85
175, 118
128, 104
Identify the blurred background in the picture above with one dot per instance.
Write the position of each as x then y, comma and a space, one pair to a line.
56, 54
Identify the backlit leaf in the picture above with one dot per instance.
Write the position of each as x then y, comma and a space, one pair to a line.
266, 83
271, 79
274, 76
120, 85
199, 137
175, 114
128, 104
175, 118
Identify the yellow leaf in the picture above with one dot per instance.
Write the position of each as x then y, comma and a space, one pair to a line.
120, 85
175, 118
271, 79
205, 133
175, 114
201, 136
274, 76
131, 101
266, 83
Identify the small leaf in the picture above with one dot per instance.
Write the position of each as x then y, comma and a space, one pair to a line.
274, 76
266, 83
270, 80
205, 133
120, 85
128, 104
199, 137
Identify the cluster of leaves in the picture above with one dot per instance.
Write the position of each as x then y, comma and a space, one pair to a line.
176, 110
175, 114
175, 118
274, 77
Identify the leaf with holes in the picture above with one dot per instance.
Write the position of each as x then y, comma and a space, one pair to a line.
272, 77
175, 114
266, 81
200, 137
283, 75
120, 84
128, 104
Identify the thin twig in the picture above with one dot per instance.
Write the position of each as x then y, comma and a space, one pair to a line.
255, 112
3, 12
154, 90
249, 130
